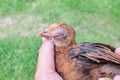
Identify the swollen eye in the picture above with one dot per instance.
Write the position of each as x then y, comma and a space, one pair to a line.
59, 36
60, 33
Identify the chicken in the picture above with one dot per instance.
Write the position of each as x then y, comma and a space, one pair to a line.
85, 61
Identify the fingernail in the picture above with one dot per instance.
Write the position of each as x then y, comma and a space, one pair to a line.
43, 39
105, 78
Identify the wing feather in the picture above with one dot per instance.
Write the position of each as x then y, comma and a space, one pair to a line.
96, 52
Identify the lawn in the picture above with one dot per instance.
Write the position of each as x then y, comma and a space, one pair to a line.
20, 20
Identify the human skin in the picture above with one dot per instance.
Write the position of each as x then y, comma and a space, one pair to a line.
46, 71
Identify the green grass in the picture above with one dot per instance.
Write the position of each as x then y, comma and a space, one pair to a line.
20, 20
18, 57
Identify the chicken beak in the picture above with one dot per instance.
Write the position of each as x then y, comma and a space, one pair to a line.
43, 34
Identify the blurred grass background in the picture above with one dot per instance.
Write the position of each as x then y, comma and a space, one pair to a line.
20, 20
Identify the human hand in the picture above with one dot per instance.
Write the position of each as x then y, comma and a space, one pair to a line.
46, 67
117, 51
117, 77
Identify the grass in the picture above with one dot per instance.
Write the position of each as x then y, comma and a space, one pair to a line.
18, 58
20, 20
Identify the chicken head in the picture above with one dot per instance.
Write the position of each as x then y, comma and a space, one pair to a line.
60, 33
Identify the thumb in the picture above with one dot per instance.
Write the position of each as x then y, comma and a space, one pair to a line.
46, 57
117, 77
117, 51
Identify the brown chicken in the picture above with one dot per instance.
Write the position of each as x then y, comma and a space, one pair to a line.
86, 61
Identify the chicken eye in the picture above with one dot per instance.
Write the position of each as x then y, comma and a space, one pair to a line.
60, 33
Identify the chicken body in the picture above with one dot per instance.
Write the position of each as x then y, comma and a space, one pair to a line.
86, 61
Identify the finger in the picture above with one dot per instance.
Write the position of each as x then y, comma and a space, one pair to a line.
117, 51
117, 77
46, 58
